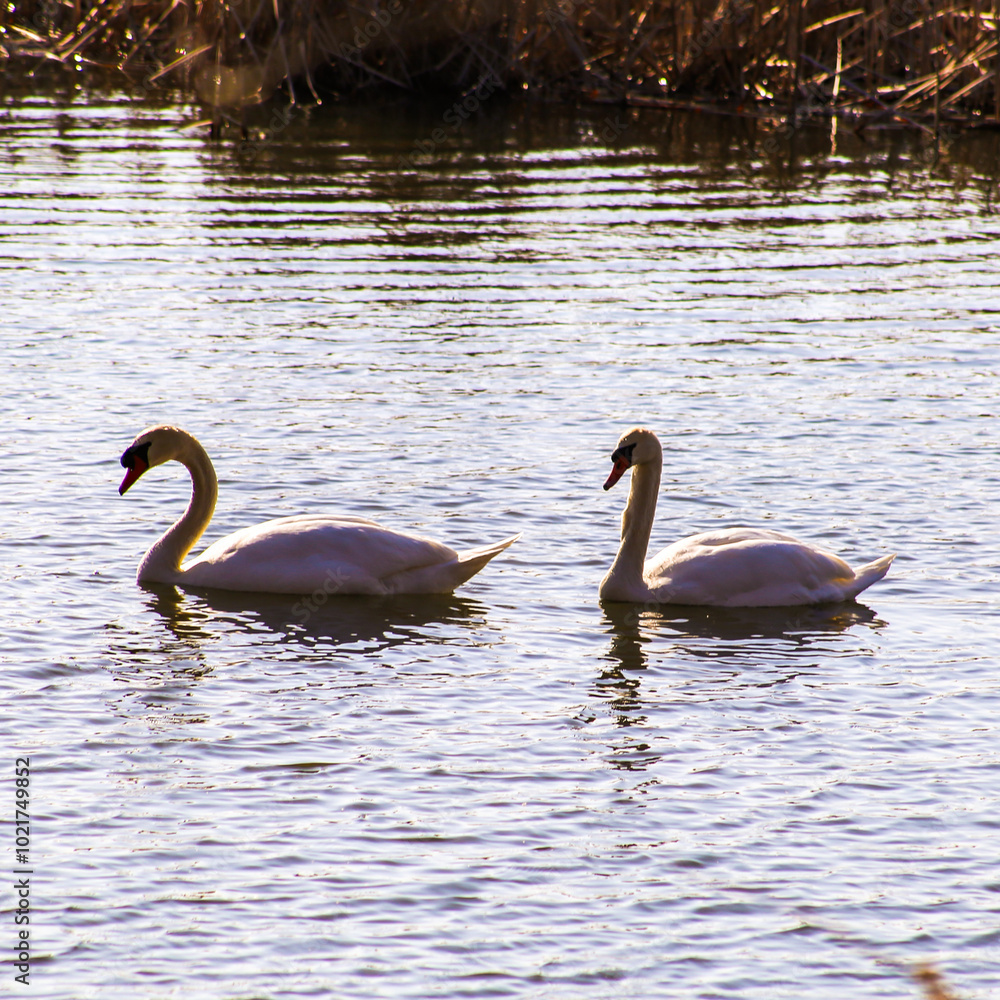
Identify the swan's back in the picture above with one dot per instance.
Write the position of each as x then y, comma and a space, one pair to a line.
310, 552
754, 567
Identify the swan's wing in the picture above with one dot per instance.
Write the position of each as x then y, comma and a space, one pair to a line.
747, 567
306, 553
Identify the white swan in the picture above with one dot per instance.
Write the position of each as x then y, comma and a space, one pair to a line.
289, 555
730, 568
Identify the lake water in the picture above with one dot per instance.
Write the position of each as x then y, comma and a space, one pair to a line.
512, 792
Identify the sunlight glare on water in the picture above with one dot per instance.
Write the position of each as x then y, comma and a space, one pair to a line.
511, 791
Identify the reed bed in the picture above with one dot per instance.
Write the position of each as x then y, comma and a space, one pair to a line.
888, 61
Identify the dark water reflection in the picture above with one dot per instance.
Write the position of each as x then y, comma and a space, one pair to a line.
785, 631
491, 153
705, 655
365, 625
487, 155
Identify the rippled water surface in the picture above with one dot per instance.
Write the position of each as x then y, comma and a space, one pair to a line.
512, 792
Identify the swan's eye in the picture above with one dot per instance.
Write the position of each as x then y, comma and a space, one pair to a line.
625, 451
130, 454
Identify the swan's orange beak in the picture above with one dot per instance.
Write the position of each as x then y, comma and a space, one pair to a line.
617, 471
132, 473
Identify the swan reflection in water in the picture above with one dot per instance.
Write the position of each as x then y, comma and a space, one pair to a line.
780, 641
347, 623
203, 629
794, 626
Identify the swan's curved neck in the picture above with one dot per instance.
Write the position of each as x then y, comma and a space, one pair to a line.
637, 520
162, 562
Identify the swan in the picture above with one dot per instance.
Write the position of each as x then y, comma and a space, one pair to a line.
289, 555
729, 568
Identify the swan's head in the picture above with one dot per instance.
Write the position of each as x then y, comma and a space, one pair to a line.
153, 446
634, 447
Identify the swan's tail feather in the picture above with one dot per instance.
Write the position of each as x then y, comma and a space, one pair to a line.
443, 578
868, 574
480, 556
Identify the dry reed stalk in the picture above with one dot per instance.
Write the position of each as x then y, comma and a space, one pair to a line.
996, 68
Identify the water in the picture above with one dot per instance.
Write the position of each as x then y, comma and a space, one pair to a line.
512, 792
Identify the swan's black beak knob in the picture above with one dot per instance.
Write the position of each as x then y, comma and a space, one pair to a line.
135, 460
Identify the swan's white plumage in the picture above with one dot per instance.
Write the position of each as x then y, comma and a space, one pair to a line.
731, 567
290, 555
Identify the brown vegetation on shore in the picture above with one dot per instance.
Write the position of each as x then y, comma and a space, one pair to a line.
891, 61
933, 983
